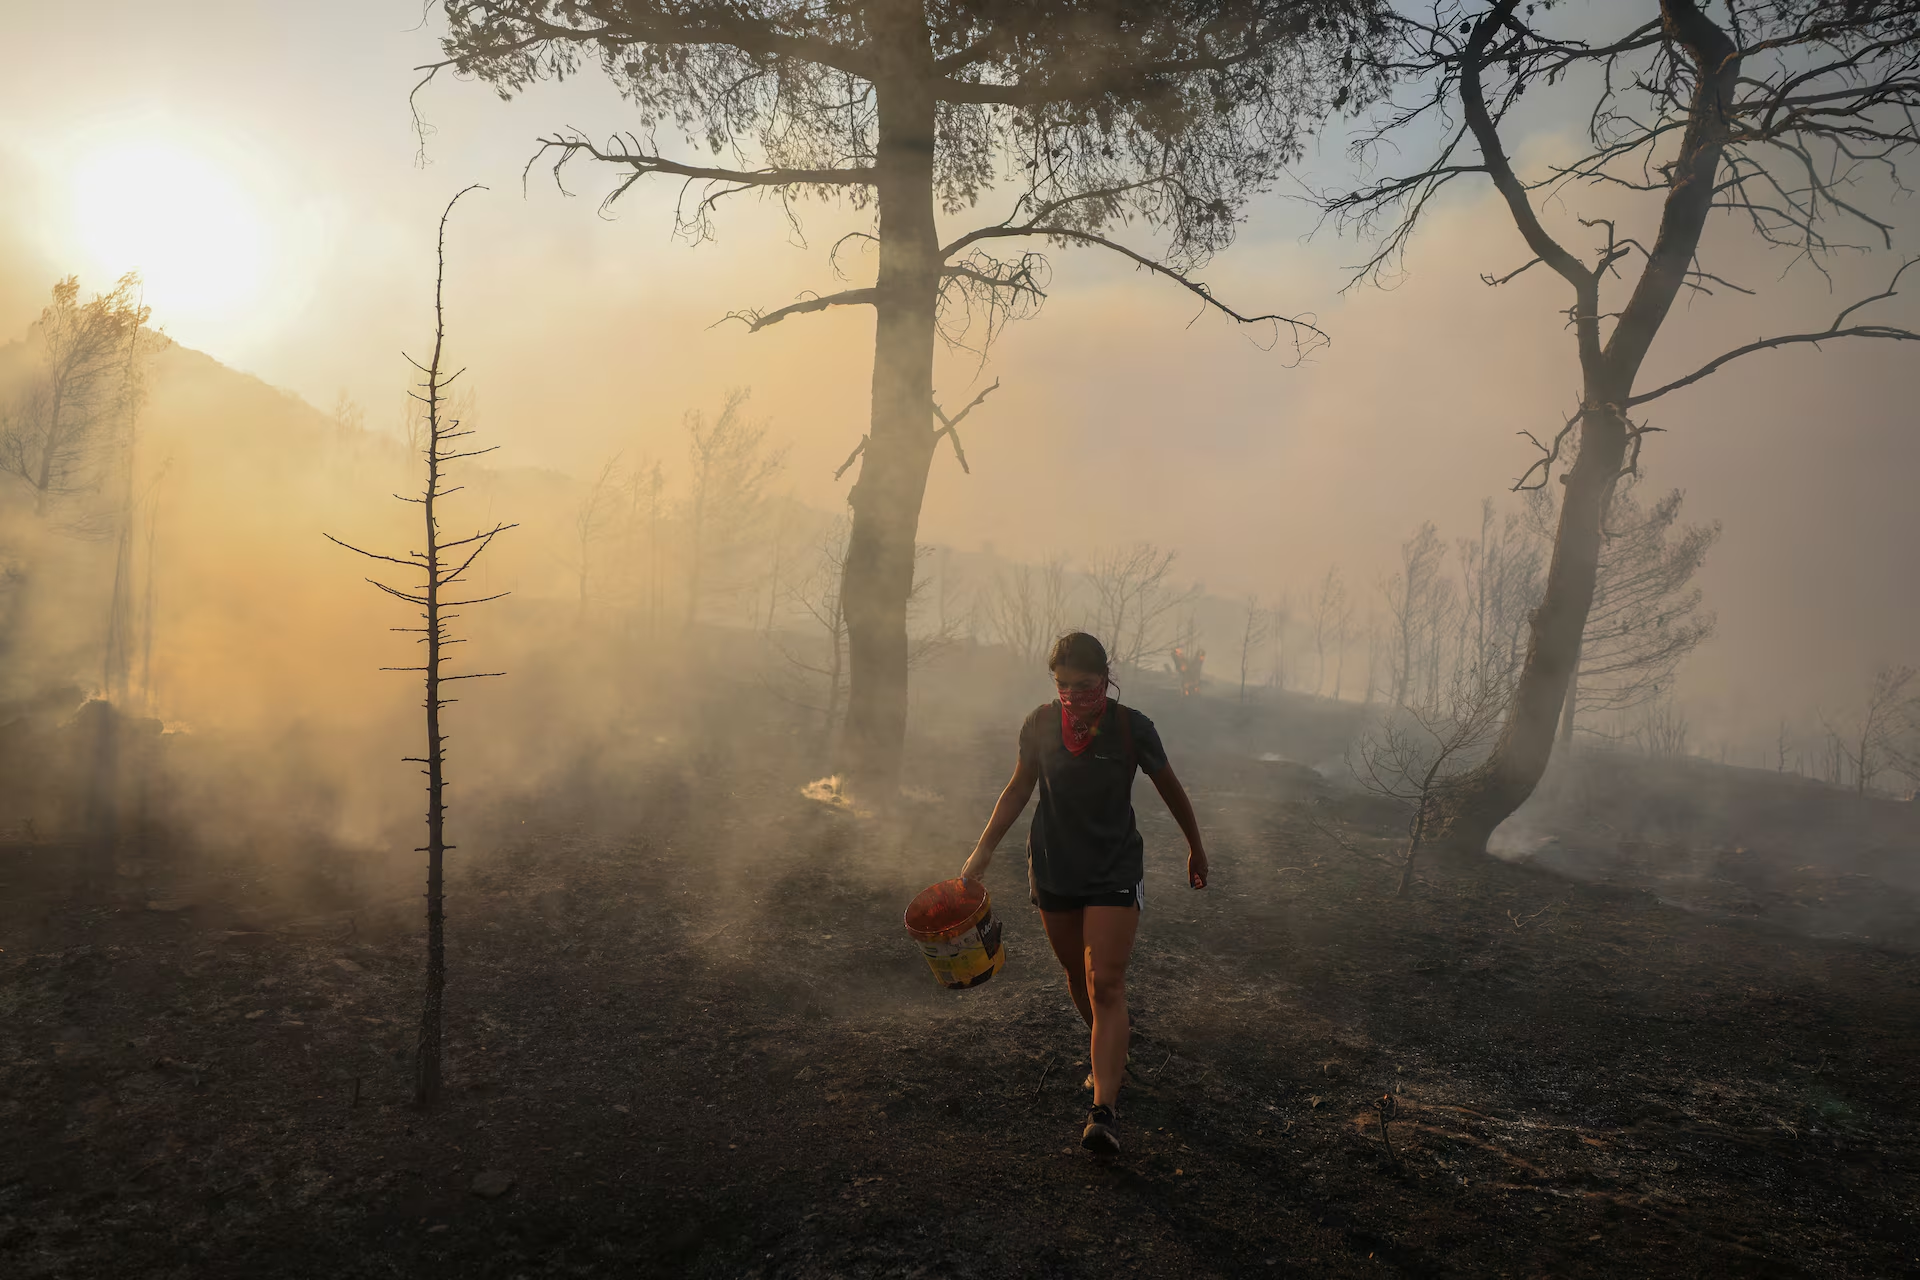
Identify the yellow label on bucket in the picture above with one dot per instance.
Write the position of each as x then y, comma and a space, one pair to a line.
954, 926
969, 959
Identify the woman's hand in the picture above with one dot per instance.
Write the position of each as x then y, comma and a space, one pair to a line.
1197, 867
1182, 810
1012, 800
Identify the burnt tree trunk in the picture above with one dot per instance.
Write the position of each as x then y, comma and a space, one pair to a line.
1570, 704
426, 1090
443, 565
1484, 798
1487, 796
878, 576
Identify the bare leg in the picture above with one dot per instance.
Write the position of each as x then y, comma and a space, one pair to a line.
1070, 949
1109, 935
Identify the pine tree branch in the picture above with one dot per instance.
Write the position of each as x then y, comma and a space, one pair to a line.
758, 320
1833, 332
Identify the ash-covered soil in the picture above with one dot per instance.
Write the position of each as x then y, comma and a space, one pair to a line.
687, 1037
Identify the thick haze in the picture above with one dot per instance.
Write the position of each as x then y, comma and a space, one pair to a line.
257, 162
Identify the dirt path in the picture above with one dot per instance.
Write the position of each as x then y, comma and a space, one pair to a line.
1585, 1081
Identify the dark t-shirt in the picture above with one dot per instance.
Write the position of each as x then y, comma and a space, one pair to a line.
1083, 840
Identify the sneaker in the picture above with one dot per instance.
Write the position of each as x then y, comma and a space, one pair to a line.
1098, 1137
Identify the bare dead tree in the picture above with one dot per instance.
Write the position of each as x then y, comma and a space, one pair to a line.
442, 567
1419, 601
413, 428
781, 531
1026, 606
1166, 116
1342, 632
1255, 626
1375, 647
817, 595
1014, 612
1335, 617
1438, 630
1661, 729
952, 610
348, 415
1282, 618
928, 643
1330, 616
732, 465
592, 523
1874, 741
1133, 601
1785, 115
1057, 598
1830, 760
1418, 751
1900, 744
1430, 738
1500, 572
647, 532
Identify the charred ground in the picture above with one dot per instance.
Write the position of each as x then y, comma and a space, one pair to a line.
673, 1058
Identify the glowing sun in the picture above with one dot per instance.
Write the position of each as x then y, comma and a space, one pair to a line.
194, 232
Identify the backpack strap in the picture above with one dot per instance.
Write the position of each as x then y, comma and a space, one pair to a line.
1125, 717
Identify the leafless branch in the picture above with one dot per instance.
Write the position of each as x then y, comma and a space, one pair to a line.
758, 320
1833, 332
373, 555
1307, 335
851, 458
949, 427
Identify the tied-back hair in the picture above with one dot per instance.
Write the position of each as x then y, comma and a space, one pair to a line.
1080, 651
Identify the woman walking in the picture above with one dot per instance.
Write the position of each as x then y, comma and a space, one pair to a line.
1085, 858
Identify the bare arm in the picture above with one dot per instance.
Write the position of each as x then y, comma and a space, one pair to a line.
1013, 799
1182, 810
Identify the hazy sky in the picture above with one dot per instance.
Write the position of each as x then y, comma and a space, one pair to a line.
257, 161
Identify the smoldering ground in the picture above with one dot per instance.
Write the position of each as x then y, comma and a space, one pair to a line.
688, 1037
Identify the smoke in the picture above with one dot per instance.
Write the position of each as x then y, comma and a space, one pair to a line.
592, 336
1124, 417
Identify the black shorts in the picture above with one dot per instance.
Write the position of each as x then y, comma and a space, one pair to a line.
1134, 897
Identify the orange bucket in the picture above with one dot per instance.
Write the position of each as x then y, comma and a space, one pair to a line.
954, 925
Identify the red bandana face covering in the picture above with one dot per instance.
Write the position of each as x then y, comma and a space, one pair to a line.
1080, 711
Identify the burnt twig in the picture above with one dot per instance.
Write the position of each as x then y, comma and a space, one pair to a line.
857, 451
1343, 842
1053, 1058
1520, 922
1388, 1107
950, 427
